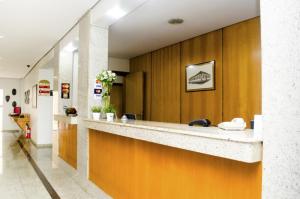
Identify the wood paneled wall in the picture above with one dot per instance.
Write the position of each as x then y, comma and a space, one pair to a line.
134, 169
134, 94
143, 63
67, 143
202, 104
242, 70
165, 96
236, 50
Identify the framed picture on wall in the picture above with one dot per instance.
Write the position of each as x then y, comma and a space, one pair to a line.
27, 97
200, 76
34, 96
65, 91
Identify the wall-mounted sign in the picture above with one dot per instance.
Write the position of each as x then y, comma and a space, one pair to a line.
44, 88
65, 91
97, 89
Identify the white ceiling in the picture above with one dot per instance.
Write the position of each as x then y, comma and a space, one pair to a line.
31, 27
147, 28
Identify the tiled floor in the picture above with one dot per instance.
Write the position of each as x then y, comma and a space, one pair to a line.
19, 180
17, 177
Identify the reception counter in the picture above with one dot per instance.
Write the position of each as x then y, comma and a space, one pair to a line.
67, 139
142, 159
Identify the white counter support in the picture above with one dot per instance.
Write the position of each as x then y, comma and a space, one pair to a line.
235, 145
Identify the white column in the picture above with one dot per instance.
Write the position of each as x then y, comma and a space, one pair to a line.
93, 58
280, 26
55, 67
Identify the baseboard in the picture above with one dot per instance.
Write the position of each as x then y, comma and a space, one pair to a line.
11, 131
41, 145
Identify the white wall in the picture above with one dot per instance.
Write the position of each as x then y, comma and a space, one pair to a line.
27, 84
117, 64
280, 28
7, 85
65, 76
75, 80
45, 111
41, 117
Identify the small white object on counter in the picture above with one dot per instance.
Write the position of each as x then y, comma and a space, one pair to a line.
236, 145
124, 118
237, 124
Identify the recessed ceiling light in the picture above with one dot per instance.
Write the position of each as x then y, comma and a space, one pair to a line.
175, 21
1, 36
116, 13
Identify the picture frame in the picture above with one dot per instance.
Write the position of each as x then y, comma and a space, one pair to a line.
65, 90
34, 96
27, 97
200, 77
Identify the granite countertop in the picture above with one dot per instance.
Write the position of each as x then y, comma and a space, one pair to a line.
236, 145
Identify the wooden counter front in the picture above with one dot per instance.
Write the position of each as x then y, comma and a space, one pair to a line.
127, 168
67, 143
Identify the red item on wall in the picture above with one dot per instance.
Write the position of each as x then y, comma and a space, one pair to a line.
17, 110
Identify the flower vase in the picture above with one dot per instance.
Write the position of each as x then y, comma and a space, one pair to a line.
110, 117
106, 100
96, 116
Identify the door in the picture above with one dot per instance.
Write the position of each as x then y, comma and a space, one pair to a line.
134, 94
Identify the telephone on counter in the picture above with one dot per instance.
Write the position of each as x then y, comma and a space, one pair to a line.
237, 124
200, 122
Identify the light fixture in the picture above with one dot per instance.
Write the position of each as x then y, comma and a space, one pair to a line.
1, 36
175, 21
70, 47
116, 13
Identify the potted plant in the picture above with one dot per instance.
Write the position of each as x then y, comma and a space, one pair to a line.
96, 110
107, 78
110, 112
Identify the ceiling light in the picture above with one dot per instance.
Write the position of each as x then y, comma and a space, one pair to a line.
70, 47
116, 13
1, 36
175, 21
